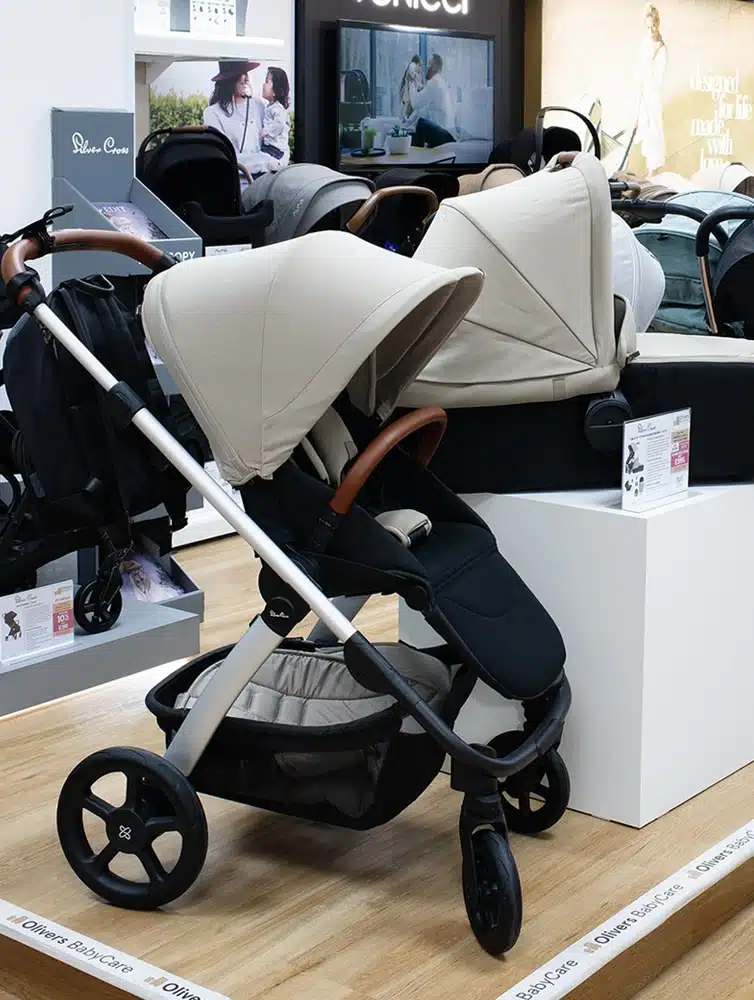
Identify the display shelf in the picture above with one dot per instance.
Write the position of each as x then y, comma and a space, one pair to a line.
145, 636
160, 50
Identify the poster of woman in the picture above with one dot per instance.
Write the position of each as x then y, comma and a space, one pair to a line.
673, 81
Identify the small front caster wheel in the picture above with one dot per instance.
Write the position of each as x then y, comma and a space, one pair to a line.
492, 892
93, 612
159, 800
535, 799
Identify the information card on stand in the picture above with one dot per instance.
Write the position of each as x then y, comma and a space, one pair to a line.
35, 621
656, 460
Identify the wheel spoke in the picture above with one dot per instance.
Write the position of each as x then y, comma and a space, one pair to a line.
160, 825
100, 861
543, 791
152, 865
97, 806
524, 804
134, 787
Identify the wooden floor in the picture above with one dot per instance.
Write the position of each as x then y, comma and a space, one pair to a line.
285, 910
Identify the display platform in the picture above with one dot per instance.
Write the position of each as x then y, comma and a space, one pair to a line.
286, 909
655, 611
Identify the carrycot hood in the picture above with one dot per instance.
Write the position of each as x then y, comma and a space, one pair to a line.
733, 177
261, 343
544, 326
303, 194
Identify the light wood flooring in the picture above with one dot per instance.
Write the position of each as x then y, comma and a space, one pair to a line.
286, 910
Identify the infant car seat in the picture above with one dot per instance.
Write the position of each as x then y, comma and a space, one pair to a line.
195, 172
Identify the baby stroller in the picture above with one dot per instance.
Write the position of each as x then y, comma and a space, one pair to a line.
309, 198
74, 477
546, 367
671, 236
14, 626
195, 172
338, 731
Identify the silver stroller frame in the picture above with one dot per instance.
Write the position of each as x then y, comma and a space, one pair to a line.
475, 770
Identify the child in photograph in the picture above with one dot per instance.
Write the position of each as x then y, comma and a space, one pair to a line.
276, 128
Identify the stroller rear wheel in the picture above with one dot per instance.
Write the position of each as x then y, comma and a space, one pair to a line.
492, 892
535, 799
94, 613
159, 800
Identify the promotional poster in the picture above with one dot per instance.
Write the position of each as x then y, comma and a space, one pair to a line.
670, 83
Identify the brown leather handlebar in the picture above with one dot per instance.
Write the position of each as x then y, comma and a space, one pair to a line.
15, 257
431, 417
367, 210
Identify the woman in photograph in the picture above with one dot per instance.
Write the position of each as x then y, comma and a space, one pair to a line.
412, 83
235, 112
276, 128
650, 130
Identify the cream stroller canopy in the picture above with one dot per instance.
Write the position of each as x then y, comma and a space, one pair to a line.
546, 326
261, 343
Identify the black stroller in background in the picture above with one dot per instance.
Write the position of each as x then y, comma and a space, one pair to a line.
72, 476
195, 172
333, 729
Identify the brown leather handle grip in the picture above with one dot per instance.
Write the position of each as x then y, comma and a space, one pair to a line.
367, 210
434, 419
16, 256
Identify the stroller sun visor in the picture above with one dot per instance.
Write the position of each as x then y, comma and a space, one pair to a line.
544, 327
261, 343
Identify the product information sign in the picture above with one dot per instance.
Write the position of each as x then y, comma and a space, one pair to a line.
35, 621
223, 251
214, 18
656, 459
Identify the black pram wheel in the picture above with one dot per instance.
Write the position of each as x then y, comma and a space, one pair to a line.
159, 800
492, 892
536, 798
93, 612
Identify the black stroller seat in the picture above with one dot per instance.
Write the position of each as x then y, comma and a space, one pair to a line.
195, 172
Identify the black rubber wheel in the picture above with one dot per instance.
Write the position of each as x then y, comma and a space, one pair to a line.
159, 800
92, 614
535, 799
497, 912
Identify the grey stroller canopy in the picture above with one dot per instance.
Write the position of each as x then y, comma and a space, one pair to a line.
304, 195
546, 326
279, 355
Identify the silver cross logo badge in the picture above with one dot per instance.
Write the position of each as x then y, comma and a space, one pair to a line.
125, 833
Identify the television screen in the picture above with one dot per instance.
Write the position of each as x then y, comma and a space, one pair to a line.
411, 96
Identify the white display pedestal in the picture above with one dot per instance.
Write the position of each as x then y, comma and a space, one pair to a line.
657, 613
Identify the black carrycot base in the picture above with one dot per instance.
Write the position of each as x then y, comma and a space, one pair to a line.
543, 447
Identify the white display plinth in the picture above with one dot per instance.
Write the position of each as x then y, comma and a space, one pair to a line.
657, 613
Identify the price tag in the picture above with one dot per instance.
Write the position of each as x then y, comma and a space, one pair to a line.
656, 460
36, 621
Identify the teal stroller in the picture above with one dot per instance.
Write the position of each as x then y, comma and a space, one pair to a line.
671, 233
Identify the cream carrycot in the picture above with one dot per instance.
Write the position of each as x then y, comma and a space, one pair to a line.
548, 362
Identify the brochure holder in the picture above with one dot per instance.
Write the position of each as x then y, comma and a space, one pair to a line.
93, 156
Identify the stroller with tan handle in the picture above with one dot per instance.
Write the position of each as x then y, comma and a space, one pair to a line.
294, 390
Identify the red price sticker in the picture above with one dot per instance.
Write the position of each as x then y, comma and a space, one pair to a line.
62, 621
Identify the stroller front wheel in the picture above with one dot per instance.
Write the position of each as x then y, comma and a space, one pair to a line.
537, 798
492, 892
159, 800
93, 612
